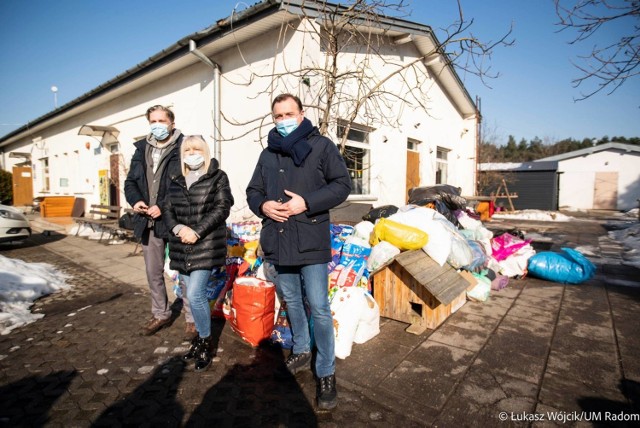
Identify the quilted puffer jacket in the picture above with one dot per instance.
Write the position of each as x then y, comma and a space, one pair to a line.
204, 207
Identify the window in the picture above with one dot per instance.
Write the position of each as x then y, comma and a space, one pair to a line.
44, 166
412, 144
357, 156
441, 166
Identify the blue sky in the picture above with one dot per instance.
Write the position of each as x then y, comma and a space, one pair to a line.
77, 45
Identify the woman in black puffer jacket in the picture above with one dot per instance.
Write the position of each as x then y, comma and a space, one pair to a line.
196, 210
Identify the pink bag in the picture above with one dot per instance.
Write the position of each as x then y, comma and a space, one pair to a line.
504, 245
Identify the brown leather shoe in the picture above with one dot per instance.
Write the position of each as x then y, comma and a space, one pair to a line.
190, 332
154, 325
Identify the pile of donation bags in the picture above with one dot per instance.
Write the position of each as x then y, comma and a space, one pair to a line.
243, 291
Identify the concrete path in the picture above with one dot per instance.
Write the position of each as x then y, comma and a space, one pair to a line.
535, 352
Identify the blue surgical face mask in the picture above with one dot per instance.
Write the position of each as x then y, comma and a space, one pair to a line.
287, 126
160, 131
194, 161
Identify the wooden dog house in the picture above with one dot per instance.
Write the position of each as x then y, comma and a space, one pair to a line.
417, 290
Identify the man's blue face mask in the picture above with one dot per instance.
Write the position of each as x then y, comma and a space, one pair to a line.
160, 131
287, 126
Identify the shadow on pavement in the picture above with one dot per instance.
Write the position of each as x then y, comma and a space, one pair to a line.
250, 395
153, 403
35, 240
617, 411
27, 402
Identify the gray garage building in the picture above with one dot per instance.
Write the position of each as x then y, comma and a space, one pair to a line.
535, 183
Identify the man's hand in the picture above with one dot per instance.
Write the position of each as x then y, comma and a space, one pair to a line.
276, 211
187, 235
140, 207
154, 211
295, 205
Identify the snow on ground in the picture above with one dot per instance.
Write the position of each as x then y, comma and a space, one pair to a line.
534, 215
629, 236
94, 233
20, 285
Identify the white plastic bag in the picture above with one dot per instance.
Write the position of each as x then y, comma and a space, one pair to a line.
439, 245
362, 232
381, 254
355, 316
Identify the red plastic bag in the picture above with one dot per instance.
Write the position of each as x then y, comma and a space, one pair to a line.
216, 306
251, 308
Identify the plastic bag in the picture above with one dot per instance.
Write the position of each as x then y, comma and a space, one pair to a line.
479, 257
252, 309
355, 316
504, 245
339, 233
401, 236
380, 212
362, 232
438, 246
350, 269
231, 271
447, 193
381, 254
281, 333
570, 267
480, 293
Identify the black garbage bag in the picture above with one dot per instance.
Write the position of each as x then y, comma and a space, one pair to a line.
126, 221
443, 209
446, 193
380, 212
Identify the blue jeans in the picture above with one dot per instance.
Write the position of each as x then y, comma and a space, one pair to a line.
316, 283
196, 283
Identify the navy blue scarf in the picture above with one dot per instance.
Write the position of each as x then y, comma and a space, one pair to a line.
294, 144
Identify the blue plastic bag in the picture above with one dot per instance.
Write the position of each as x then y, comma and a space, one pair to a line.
570, 267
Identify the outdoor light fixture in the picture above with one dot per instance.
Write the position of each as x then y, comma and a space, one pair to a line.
54, 89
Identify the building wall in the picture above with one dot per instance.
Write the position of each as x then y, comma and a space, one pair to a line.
246, 90
577, 178
189, 95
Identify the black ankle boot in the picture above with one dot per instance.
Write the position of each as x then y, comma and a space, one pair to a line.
193, 350
203, 356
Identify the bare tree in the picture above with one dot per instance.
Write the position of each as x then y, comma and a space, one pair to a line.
349, 83
611, 64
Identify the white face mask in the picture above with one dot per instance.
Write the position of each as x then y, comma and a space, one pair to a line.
194, 161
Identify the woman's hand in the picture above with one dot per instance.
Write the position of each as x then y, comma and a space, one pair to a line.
187, 235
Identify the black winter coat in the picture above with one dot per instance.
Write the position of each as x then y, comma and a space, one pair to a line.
322, 180
136, 187
204, 207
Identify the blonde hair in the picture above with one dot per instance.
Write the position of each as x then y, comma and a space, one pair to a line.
195, 142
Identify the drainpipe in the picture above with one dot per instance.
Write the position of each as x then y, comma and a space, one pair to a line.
476, 175
217, 150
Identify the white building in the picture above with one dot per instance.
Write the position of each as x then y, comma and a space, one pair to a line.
417, 126
604, 177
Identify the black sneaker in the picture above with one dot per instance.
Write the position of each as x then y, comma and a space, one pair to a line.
295, 363
327, 394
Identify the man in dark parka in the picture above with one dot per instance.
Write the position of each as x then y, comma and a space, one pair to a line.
299, 177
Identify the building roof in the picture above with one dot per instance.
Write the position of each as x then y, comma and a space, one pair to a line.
519, 166
592, 150
236, 28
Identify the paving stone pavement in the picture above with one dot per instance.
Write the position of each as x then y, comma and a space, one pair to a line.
535, 349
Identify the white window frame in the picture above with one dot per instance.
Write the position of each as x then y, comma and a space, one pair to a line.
46, 180
360, 177
442, 164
